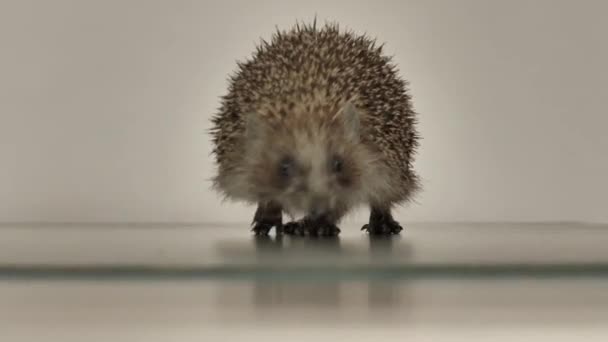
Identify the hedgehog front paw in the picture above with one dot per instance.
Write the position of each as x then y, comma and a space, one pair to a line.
266, 216
263, 228
384, 225
327, 229
310, 227
294, 228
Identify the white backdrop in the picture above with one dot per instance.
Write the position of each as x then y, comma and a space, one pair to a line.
104, 105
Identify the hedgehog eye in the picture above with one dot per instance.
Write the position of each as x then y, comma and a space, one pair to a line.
337, 165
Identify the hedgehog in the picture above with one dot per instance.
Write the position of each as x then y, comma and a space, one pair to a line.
315, 123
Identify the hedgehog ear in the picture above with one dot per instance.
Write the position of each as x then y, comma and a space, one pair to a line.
350, 119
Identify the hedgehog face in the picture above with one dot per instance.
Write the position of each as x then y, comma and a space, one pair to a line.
314, 174
309, 166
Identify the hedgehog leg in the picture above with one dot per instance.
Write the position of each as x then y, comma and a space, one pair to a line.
267, 215
325, 225
381, 222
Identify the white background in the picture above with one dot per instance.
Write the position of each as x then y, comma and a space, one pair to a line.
104, 105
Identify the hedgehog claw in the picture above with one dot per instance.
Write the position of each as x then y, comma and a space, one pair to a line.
383, 228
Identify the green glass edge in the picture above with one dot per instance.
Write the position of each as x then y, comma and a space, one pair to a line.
300, 273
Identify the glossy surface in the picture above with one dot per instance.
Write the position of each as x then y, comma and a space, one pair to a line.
231, 251
302, 289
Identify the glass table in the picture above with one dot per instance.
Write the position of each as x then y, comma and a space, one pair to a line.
437, 281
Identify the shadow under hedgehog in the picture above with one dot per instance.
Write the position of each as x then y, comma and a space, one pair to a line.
316, 123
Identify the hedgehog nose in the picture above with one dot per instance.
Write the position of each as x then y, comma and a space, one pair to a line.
315, 212
318, 207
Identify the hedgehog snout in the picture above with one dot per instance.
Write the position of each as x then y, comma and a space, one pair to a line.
319, 205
